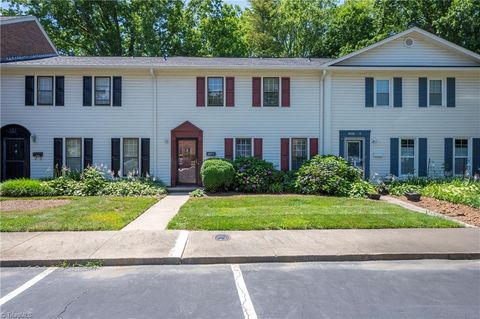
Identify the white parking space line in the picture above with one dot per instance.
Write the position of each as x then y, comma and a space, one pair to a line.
27, 285
246, 302
180, 243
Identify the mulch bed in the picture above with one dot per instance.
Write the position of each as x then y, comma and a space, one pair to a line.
464, 213
34, 204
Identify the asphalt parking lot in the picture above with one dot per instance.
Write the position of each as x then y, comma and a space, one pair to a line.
396, 289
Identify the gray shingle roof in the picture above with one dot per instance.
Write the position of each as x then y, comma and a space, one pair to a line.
174, 62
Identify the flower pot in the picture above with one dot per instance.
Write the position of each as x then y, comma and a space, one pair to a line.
374, 196
414, 197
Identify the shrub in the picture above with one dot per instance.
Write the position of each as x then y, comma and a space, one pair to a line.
253, 175
400, 189
217, 174
93, 181
129, 187
25, 188
64, 186
328, 175
457, 191
361, 189
197, 193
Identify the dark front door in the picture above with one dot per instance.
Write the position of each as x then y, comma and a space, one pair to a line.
15, 158
187, 161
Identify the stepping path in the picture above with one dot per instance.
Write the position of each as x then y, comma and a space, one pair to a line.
158, 216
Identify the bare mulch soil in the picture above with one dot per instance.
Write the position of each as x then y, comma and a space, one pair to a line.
464, 213
33, 204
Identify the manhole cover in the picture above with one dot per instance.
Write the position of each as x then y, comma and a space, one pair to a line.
222, 237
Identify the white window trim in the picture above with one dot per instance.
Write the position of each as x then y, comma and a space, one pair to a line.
36, 95
235, 146
224, 90
279, 91
390, 92
94, 101
139, 150
64, 151
444, 91
468, 157
415, 157
290, 144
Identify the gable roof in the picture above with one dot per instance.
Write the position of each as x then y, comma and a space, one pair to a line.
441, 42
24, 38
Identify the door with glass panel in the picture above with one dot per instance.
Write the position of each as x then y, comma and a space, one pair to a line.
187, 161
354, 153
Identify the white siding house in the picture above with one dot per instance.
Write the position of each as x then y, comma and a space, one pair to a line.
159, 119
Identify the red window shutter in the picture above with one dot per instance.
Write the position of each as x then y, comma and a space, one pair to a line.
284, 154
285, 92
313, 147
256, 92
257, 148
230, 81
200, 91
229, 148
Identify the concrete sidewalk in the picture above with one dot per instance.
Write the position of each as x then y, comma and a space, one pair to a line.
175, 247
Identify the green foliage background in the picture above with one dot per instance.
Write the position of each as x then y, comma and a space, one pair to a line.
268, 28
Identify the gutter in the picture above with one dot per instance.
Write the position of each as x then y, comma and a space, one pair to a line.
155, 120
322, 111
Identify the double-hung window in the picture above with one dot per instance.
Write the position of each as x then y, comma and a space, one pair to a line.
130, 156
45, 90
435, 92
299, 152
243, 147
382, 94
271, 91
461, 156
73, 154
102, 90
215, 91
407, 157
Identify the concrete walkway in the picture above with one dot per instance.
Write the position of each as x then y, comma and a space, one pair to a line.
158, 216
175, 247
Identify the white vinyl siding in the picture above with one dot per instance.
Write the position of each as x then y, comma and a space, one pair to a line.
243, 147
73, 154
460, 154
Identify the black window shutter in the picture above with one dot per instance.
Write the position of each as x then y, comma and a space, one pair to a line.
59, 90
145, 157
115, 156
422, 92
422, 157
57, 156
394, 149
87, 152
29, 90
448, 156
87, 91
369, 92
397, 92
117, 91
476, 156
450, 92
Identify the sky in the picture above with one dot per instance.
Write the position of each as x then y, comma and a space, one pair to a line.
242, 3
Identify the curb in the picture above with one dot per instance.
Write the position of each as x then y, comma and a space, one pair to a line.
242, 259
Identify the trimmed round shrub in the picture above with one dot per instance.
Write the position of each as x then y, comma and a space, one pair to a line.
25, 188
327, 175
253, 175
217, 174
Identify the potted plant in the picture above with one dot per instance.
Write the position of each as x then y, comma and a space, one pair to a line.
413, 196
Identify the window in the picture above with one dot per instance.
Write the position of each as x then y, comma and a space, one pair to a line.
407, 157
383, 92
45, 90
73, 154
435, 92
102, 90
461, 156
130, 156
215, 91
271, 89
243, 147
299, 152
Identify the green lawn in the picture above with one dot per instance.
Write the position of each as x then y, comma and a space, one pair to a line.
82, 213
255, 212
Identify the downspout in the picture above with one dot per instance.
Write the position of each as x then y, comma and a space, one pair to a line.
322, 111
155, 120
